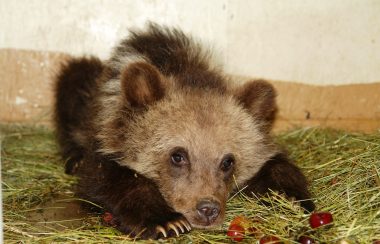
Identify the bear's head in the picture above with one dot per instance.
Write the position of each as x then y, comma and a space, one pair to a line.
197, 144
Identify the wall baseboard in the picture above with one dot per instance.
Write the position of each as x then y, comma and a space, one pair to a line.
26, 96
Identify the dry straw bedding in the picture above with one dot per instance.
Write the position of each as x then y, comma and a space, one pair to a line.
343, 170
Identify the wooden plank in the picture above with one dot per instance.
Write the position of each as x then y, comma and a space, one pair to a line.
26, 96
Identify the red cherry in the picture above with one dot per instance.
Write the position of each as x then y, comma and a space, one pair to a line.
236, 232
107, 217
242, 221
376, 241
318, 219
237, 220
306, 240
270, 239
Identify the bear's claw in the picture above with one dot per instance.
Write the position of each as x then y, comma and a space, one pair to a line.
178, 226
160, 229
168, 225
186, 224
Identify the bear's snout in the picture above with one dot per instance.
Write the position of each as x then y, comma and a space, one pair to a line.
208, 210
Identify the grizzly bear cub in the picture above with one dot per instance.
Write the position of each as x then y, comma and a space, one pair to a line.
160, 137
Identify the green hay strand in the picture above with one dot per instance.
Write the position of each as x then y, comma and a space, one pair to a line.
343, 170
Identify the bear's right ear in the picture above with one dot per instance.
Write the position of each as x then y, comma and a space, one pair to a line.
259, 98
142, 84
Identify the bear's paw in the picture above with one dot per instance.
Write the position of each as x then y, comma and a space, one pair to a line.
154, 226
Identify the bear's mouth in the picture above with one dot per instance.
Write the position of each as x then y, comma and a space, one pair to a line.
206, 225
201, 223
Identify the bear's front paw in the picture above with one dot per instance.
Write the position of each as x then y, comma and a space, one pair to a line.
178, 226
152, 227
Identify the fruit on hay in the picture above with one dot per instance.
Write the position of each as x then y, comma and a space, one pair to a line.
306, 240
236, 232
107, 218
319, 219
247, 225
241, 220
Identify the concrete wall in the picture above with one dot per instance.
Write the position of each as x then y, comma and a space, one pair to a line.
325, 42
308, 41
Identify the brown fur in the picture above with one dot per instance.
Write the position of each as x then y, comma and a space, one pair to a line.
163, 140
142, 85
74, 94
259, 98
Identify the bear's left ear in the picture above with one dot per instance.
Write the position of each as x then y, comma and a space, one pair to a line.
142, 84
259, 98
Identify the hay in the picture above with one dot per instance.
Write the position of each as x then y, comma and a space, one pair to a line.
343, 168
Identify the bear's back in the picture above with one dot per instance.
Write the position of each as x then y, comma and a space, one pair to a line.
173, 54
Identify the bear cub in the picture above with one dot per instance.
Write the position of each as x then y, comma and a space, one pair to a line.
160, 137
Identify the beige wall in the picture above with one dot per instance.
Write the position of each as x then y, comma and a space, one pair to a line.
325, 42
308, 41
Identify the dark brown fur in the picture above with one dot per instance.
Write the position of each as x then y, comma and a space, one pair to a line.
134, 200
281, 175
142, 84
159, 138
74, 95
259, 97
176, 54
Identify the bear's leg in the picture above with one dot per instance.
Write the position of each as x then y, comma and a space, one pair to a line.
135, 202
74, 89
279, 174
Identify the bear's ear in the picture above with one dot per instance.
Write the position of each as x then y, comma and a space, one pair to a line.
259, 98
142, 84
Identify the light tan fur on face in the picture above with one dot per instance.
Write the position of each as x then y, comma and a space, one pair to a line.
208, 125
159, 92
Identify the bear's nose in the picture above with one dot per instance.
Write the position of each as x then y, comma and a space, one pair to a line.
208, 210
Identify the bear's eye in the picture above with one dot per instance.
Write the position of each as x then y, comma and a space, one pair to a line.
178, 157
227, 162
